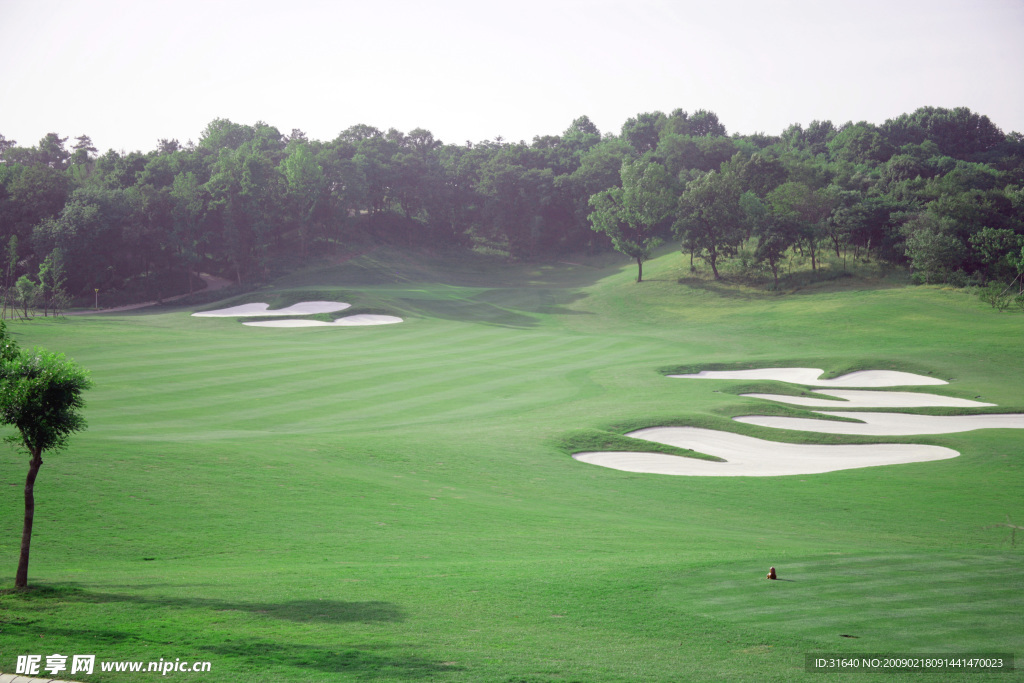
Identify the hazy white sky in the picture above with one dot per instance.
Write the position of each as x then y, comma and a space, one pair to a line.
129, 72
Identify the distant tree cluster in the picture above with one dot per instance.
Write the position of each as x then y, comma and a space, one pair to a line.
939, 190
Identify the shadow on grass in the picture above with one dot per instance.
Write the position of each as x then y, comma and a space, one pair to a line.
508, 308
365, 662
323, 611
94, 637
250, 658
737, 286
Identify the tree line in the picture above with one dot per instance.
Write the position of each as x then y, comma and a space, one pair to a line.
939, 190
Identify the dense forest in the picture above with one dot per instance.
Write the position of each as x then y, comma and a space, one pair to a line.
938, 191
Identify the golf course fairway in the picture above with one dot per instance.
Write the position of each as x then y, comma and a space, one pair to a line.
399, 502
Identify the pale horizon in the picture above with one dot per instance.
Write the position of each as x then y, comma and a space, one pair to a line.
129, 74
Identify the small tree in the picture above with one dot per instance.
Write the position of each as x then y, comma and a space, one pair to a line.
28, 292
11, 265
40, 396
995, 296
1018, 264
52, 294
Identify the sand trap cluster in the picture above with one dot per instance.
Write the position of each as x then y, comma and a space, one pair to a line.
888, 424
747, 456
302, 308
352, 320
851, 398
810, 377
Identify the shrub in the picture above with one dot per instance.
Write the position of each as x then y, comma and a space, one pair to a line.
996, 296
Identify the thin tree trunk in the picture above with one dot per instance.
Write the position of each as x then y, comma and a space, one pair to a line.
21, 579
639, 270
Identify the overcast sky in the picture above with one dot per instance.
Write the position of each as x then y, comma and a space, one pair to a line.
129, 72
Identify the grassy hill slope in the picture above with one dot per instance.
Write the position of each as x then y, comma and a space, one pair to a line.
398, 503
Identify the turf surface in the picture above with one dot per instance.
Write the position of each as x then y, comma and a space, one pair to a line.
398, 502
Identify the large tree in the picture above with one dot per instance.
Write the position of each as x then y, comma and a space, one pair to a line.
40, 396
643, 130
710, 219
515, 200
245, 190
304, 190
932, 247
635, 215
774, 236
188, 202
806, 210
90, 232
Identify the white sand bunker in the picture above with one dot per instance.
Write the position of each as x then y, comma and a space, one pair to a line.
302, 308
889, 424
352, 320
851, 398
749, 457
809, 376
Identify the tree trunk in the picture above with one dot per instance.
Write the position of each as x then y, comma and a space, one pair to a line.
713, 260
21, 579
639, 269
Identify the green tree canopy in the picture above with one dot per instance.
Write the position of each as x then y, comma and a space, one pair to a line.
710, 220
635, 215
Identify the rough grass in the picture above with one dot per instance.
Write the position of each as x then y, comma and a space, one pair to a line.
393, 503
583, 440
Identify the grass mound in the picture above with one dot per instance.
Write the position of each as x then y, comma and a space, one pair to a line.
596, 440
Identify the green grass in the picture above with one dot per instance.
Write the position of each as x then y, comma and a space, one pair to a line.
398, 503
